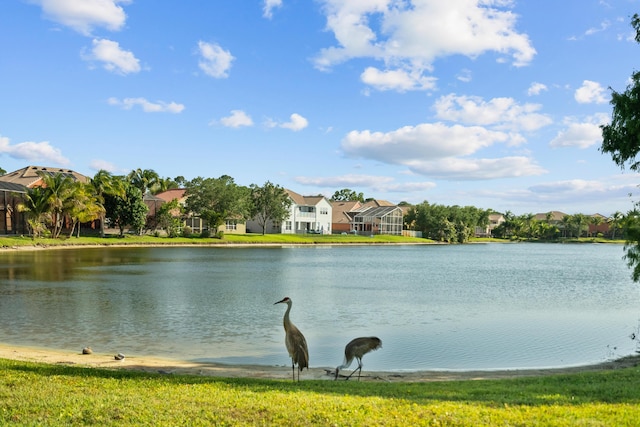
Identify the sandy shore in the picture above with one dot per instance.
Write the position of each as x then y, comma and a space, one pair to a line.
169, 366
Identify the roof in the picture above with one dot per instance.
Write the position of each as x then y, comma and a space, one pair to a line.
28, 176
10, 186
304, 200
377, 212
555, 216
340, 211
174, 193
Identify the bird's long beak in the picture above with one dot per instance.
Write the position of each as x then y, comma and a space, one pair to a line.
281, 301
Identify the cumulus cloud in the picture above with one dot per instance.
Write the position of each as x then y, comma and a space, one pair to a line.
413, 35
238, 118
269, 6
591, 93
83, 16
399, 80
113, 57
214, 60
32, 151
147, 106
374, 182
502, 113
580, 134
536, 89
439, 150
296, 123
98, 165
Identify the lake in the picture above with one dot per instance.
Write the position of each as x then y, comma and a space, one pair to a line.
435, 307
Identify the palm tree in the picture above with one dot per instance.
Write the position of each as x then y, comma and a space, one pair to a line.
85, 206
143, 179
614, 223
36, 207
60, 189
104, 183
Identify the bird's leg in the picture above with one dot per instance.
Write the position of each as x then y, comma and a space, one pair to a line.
337, 370
293, 370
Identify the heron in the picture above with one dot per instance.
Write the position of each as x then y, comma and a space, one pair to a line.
295, 341
357, 348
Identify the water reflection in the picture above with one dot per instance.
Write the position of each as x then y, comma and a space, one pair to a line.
435, 307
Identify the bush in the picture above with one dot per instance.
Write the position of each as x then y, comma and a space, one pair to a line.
205, 233
187, 231
220, 235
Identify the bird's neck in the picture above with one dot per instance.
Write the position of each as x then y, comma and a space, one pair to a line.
286, 319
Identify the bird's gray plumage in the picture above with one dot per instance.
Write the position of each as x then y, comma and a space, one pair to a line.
295, 341
357, 348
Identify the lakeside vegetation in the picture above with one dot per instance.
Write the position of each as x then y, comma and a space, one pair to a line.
7, 242
61, 395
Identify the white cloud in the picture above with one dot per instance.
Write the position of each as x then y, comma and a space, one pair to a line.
580, 134
269, 6
98, 165
33, 151
400, 80
85, 15
603, 27
374, 182
147, 106
396, 32
439, 150
238, 118
501, 113
474, 169
113, 57
296, 123
536, 89
215, 61
591, 93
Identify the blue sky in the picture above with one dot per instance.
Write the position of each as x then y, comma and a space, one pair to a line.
490, 103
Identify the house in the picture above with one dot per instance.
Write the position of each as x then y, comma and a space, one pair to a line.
371, 217
552, 217
14, 185
11, 220
495, 219
29, 176
307, 214
197, 224
341, 216
599, 225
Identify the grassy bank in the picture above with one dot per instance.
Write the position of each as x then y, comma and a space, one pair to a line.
22, 241
57, 395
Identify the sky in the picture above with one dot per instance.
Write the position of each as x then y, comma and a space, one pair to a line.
495, 104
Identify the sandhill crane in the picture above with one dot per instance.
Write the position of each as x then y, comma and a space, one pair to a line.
295, 342
357, 348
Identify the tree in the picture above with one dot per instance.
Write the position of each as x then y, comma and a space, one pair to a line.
269, 203
347, 195
217, 200
144, 180
36, 207
621, 138
127, 209
60, 192
103, 184
84, 206
167, 218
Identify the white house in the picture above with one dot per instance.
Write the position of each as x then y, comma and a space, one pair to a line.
307, 214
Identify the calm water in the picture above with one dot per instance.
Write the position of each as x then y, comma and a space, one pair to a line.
434, 307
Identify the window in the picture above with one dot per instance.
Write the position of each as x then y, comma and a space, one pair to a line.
324, 211
287, 226
230, 225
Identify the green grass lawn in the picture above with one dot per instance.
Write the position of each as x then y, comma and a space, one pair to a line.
21, 241
34, 394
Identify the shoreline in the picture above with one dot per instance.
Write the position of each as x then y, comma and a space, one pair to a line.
157, 365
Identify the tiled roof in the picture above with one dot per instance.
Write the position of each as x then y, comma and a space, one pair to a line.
28, 176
